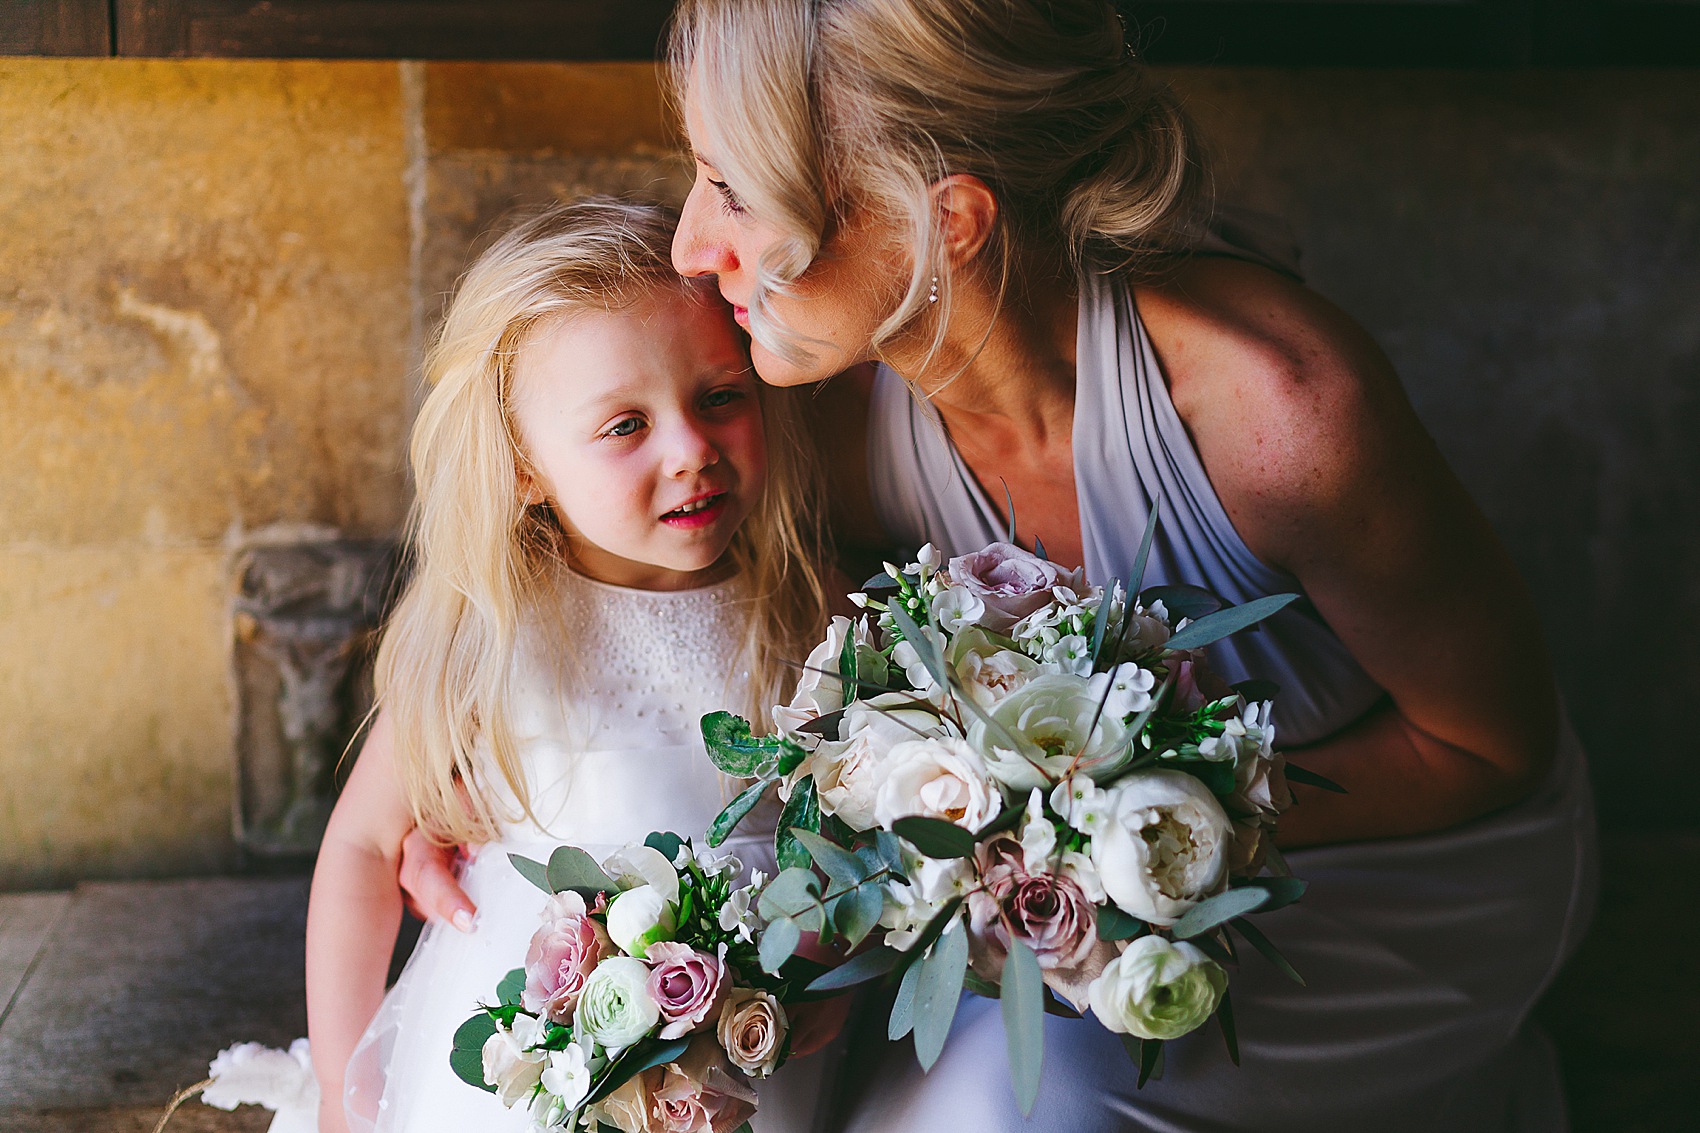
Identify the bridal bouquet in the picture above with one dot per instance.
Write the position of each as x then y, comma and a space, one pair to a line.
1014, 782
643, 1004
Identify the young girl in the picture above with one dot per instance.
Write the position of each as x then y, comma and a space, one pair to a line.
614, 534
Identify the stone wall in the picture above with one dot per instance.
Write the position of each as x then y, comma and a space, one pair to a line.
215, 277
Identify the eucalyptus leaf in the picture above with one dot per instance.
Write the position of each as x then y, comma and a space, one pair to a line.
802, 811
935, 837
1113, 924
1039, 553
938, 992
840, 864
1214, 627
1136, 577
666, 843
468, 1066
903, 1007
572, 868
1150, 1061
1283, 891
1211, 945
881, 581
924, 646
941, 920
824, 726
732, 747
535, 872
859, 969
474, 1033
794, 893
727, 820
1182, 600
1296, 774
858, 912
1023, 1008
1008, 819
979, 985
890, 851
635, 1061
847, 669
511, 987
1254, 937
778, 941
1212, 911
1225, 1018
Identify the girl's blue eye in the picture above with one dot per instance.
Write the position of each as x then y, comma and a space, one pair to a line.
627, 427
721, 398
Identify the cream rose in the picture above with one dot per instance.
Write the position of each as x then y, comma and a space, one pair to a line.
939, 778
508, 1065
752, 1029
848, 773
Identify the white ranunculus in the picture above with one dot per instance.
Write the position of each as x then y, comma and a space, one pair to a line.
1157, 989
986, 667
509, 1067
616, 1008
640, 917
1125, 690
848, 773
1051, 716
939, 778
1166, 848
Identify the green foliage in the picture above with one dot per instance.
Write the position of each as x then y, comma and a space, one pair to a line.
855, 913
903, 1007
640, 1057
1283, 891
572, 868
1214, 627
1225, 1018
1254, 937
794, 893
667, 843
727, 820
859, 969
1223, 907
842, 866
1296, 774
466, 1058
1113, 924
802, 811
937, 993
1023, 1008
779, 941
535, 872
935, 837
1181, 600
511, 988
733, 749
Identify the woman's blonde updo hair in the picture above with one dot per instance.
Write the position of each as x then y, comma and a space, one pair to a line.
815, 108
484, 561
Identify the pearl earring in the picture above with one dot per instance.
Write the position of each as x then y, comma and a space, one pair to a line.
933, 293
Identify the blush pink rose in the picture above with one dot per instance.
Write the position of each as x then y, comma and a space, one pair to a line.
687, 984
1010, 581
700, 1093
562, 955
1049, 912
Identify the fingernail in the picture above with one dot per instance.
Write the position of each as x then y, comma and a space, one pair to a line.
462, 920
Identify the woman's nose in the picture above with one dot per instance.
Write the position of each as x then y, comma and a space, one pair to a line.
698, 248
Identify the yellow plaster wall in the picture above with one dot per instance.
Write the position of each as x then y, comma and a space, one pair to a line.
204, 330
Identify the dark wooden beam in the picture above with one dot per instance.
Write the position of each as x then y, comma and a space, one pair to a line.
392, 29
55, 27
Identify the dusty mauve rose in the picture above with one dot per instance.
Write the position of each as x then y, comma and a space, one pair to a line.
1049, 912
752, 1029
1010, 581
562, 955
687, 985
699, 1093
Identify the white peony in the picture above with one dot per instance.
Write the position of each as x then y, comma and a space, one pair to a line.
1166, 848
1051, 716
640, 917
848, 773
988, 669
1157, 989
939, 778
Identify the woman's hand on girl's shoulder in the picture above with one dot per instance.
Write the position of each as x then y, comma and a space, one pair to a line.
1327, 473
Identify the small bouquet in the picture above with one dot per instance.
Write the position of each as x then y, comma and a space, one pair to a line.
643, 1004
1031, 788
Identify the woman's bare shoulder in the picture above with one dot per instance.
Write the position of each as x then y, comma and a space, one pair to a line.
1293, 408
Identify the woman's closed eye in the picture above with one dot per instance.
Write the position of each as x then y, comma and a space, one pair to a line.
729, 199
723, 398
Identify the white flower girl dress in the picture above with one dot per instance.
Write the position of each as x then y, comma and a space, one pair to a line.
617, 756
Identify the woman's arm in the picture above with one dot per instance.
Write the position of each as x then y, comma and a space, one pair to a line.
1327, 473
353, 915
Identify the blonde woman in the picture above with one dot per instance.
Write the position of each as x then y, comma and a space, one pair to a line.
984, 202
612, 537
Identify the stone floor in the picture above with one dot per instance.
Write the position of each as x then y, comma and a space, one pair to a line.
115, 995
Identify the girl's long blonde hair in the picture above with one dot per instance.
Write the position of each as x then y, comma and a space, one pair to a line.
813, 109
483, 561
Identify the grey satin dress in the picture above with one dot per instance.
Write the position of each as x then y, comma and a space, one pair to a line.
1423, 955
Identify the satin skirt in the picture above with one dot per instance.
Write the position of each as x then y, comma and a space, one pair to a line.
1423, 958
